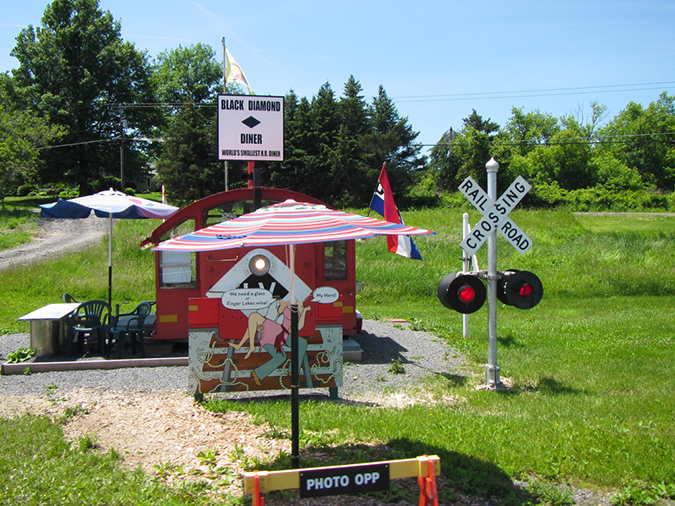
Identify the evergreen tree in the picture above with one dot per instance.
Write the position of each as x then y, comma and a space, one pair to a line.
351, 165
286, 174
473, 148
334, 149
392, 140
318, 175
443, 163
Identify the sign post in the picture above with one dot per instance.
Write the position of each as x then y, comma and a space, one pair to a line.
495, 218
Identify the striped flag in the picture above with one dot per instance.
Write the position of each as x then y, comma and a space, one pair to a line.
233, 72
383, 204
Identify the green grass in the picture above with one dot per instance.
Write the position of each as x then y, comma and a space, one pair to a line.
591, 366
17, 226
39, 467
645, 223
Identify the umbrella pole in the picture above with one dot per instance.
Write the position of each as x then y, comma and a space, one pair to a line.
110, 239
295, 381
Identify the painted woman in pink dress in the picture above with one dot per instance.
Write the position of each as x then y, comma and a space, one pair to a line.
272, 334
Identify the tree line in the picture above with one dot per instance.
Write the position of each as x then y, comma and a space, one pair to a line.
87, 110
103, 114
570, 160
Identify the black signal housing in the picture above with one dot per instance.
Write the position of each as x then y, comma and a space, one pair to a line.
520, 289
463, 292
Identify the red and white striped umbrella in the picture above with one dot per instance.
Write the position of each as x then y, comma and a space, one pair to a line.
289, 222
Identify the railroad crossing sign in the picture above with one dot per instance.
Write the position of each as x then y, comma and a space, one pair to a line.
495, 215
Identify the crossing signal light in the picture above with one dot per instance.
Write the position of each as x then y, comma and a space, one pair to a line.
520, 289
463, 292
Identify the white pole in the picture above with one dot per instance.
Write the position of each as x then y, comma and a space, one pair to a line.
492, 380
227, 183
466, 264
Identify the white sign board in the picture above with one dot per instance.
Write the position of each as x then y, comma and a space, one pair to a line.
250, 128
495, 215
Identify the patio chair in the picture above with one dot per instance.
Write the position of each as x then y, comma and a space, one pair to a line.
89, 321
150, 320
128, 325
69, 298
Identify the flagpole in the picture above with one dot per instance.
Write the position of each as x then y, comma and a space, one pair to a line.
225, 91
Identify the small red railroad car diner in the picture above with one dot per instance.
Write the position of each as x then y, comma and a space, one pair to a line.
232, 305
182, 277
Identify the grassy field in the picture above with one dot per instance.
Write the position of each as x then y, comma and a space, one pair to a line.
591, 366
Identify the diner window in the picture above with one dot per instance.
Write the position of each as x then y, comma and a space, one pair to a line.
229, 210
178, 269
335, 260
226, 211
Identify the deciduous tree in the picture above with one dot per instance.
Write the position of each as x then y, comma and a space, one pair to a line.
187, 81
76, 69
22, 134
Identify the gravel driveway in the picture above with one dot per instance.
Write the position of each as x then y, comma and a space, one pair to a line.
420, 354
54, 238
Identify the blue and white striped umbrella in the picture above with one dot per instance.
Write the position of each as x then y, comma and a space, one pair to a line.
107, 204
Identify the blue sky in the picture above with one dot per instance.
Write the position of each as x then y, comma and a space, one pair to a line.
437, 60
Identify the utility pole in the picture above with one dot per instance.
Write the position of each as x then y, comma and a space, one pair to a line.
122, 147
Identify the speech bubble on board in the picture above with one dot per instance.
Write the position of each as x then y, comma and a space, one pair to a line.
247, 298
325, 295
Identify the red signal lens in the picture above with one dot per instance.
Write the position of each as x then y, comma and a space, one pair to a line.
467, 294
525, 290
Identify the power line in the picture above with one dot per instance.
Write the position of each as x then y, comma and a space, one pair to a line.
602, 139
71, 144
543, 92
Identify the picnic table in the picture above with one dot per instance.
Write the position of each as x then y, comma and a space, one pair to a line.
49, 327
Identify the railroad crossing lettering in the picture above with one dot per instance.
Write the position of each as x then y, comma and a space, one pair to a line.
495, 215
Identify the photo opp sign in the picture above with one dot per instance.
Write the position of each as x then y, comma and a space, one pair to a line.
250, 128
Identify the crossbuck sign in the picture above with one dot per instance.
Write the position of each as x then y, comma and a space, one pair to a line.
495, 215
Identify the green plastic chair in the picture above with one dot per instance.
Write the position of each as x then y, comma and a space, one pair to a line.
89, 321
69, 298
128, 325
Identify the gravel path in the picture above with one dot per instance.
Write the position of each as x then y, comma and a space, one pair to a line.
420, 354
54, 238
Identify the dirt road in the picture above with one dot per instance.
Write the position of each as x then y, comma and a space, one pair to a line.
56, 237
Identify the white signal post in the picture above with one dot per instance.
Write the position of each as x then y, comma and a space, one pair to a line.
467, 259
492, 380
495, 217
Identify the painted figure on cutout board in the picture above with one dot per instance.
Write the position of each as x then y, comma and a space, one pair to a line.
247, 346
